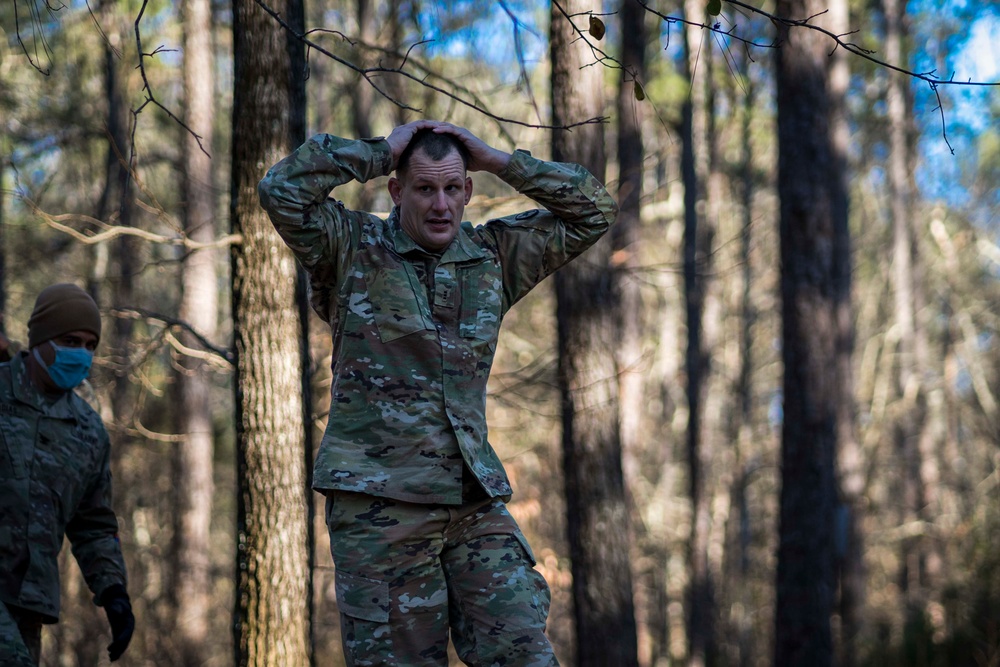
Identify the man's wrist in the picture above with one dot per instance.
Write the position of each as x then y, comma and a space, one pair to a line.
113, 592
499, 161
382, 152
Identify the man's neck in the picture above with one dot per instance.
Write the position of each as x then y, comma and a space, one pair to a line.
40, 380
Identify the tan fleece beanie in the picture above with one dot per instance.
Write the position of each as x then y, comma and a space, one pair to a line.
60, 309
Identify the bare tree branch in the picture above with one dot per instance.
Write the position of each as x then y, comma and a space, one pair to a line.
173, 322
371, 73
519, 50
110, 231
839, 40
150, 98
39, 34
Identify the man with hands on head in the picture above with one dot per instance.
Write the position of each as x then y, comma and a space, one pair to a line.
423, 544
55, 479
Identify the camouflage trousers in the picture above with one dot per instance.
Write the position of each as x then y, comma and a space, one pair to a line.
20, 638
407, 574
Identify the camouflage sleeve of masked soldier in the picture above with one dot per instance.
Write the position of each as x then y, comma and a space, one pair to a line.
294, 193
533, 244
93, 531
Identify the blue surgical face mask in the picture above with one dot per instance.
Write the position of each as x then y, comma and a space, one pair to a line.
71, 365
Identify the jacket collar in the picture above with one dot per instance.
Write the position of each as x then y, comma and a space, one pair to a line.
25, 392
462, 248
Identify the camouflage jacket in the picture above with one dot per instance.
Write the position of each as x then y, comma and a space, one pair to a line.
414, 334
55, 481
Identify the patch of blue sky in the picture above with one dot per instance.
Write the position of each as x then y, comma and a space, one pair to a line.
496, 33
967, 49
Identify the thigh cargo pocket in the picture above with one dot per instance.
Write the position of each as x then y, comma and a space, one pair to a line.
362, 598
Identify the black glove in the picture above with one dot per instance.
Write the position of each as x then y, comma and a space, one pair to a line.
119, 610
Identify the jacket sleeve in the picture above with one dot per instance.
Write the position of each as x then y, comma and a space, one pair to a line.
531, 245
295, 192
93, 532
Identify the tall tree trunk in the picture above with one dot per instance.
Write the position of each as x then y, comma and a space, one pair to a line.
850, 458
193, 465
919, 561
396, 84
273, 550
362, 94
625, 233
814, 285
116, 262
625, 261
740, 431
699, 233
587, 310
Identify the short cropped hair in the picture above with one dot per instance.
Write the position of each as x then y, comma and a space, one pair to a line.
437, 146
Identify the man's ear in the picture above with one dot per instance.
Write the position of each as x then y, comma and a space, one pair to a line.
468, 189
395, 190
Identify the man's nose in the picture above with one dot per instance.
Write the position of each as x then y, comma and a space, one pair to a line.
440, 201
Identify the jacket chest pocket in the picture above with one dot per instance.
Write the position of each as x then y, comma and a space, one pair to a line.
399, 303
17, 441
482, 301
64, 461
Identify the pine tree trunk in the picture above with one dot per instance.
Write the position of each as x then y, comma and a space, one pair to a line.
587, 311
813, 288
273, 557
625, 261
193, 479
920, 560
362, 94
850, 458
699, 233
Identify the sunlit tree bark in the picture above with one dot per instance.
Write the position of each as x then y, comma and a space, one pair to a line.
273, 552
193, 480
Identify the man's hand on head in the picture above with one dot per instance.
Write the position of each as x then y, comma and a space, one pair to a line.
400, 137
482, 157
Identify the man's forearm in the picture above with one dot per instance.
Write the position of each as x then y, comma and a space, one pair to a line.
568, 190
307, 176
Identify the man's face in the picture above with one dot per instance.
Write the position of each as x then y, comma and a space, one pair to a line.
74, 339
431, 197
84, 339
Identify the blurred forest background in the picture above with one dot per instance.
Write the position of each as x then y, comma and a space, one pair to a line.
762, 416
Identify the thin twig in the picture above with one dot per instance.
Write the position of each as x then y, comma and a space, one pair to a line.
150, 98
370, 73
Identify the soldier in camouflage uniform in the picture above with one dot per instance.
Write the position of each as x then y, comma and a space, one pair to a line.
421, 538
55, 479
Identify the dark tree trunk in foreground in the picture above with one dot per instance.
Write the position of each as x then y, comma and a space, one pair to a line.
624, 265
699, 234
273, 559
814, 253
587, 313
